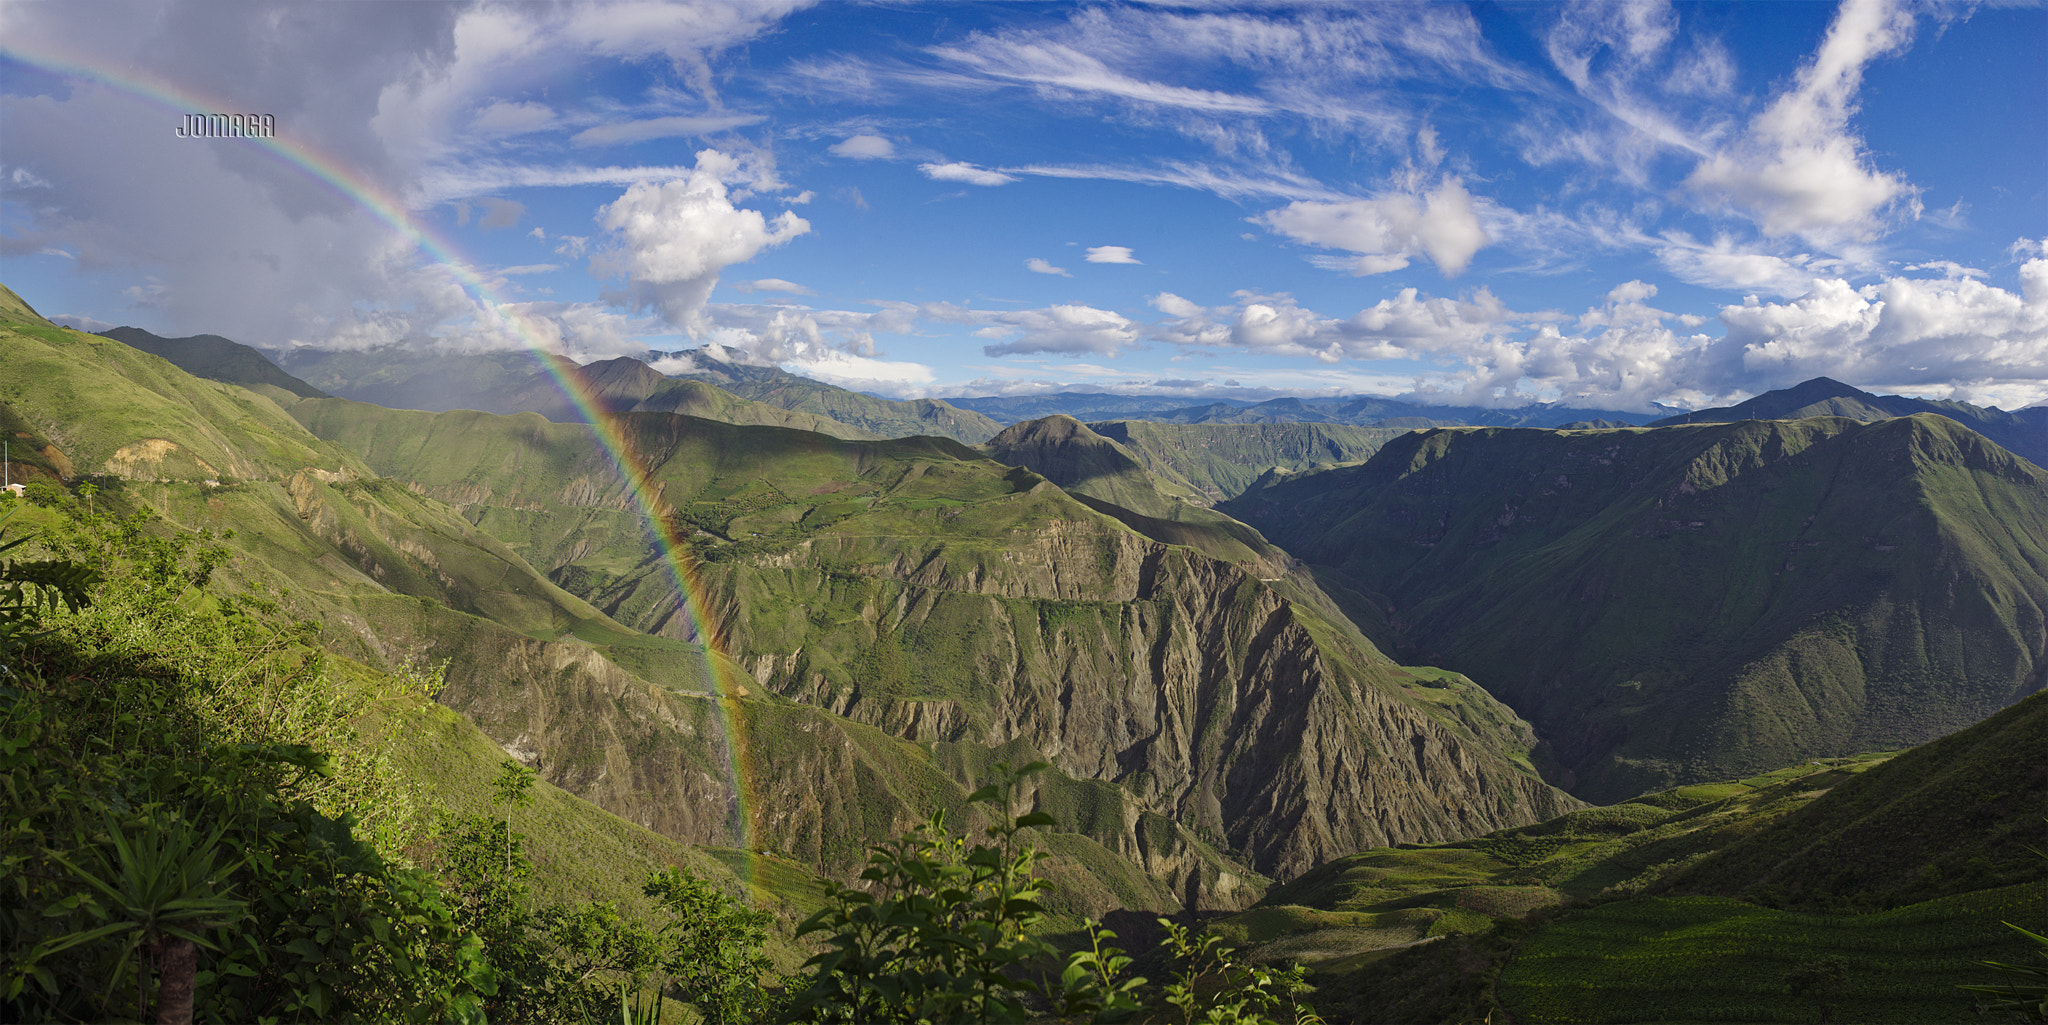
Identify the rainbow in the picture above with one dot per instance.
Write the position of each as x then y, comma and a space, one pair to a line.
607, 427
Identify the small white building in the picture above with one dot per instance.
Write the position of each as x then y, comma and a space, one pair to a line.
17, 489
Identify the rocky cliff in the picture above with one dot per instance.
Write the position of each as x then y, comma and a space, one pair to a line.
945, 599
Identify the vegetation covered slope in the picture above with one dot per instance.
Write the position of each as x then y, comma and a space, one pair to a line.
1686, 603
941, 597
216, 359
1220, 461
1902, 865
623, 719
2024, 432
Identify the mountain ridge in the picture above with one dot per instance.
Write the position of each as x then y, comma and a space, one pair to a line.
1788, 582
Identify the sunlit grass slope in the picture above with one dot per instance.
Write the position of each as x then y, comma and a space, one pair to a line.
926, 590
1219, 461
1901, 863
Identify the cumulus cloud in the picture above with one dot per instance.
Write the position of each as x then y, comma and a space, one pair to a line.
1111, 254
669, 241
1386, 231
1406, 325
959, 171
1798, 170
864, 147
1039, 266
1901, 330
1068, 328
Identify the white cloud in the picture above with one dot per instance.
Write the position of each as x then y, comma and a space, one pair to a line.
1798, 170
505, 118
1068, 328
1039, 266
670, 241
1062, 68
864, 147
770, 285
529, 268
1385, 231
959, 171
1901, 330
1725, 265
1111, 254
87, 324
1229, 183
624, 132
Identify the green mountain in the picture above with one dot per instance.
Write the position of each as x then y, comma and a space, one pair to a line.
624, 720
1220, 461
2024, 432
1903, 865
1690, 603
216, 359
957, 604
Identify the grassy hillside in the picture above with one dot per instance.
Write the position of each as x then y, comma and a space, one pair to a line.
620, 718
1902, 864
1688, 603
922, 589
1220, 461
216, 359
695, 398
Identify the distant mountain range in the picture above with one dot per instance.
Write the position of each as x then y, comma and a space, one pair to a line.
2024, 432
400, 377
1356, 410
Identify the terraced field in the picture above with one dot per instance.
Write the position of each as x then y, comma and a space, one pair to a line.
1713, 959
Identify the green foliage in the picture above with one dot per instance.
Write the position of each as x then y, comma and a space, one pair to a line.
949, 924
124, 724
712, 949
1214, 987
2025, 992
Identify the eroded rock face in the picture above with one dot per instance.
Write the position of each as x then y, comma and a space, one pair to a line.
1193, 685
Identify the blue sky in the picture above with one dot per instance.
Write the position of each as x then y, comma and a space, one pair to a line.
1608, 204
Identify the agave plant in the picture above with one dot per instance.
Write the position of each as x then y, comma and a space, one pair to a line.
162, 890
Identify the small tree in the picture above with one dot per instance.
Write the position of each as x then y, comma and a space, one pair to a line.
512, 788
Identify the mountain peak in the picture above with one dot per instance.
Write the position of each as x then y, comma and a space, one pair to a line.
1058, 428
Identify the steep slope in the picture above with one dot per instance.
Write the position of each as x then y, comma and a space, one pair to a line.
1695, 602
945, 599
1900, 862
1220, 461
2024, 432
216, 359
1067, 452
1949, 816
622, 719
